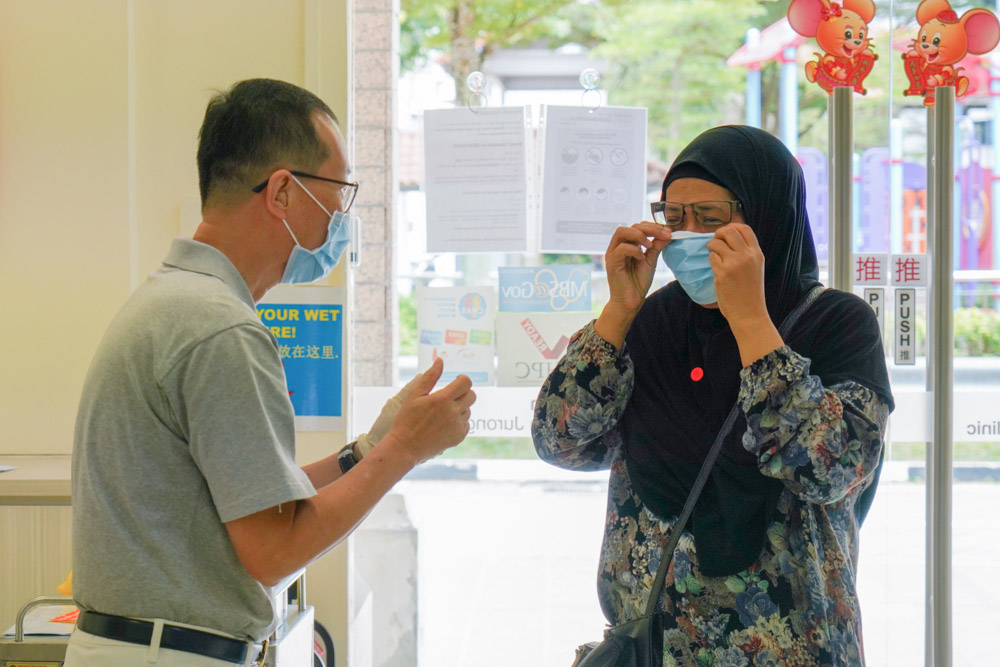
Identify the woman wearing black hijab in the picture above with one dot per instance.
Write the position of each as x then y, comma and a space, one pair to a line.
765, 571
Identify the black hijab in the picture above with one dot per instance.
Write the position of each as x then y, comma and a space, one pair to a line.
671, 420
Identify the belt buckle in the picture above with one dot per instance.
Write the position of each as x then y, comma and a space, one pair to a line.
259, 662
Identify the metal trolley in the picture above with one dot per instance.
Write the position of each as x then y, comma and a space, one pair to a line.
292, 644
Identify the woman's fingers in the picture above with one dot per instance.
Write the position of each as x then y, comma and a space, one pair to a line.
730, 237
734, 239
654, 250
746, 233
653, 229
632, 251
640, 234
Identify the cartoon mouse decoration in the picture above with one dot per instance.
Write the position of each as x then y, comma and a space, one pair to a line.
944, 39
841, 30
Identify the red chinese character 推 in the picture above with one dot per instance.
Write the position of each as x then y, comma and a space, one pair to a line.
907, 270
869, 268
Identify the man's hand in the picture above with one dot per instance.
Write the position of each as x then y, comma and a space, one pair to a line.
367, 441
427, 424
277, 541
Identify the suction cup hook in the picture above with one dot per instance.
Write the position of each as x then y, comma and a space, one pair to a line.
590, 79
476, 83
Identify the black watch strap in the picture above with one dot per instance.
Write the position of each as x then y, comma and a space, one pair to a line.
347, 458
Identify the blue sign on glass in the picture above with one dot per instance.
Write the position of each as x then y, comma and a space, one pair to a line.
310, 344
545, 289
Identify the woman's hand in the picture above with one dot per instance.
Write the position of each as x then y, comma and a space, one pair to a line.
630, 262
738, 264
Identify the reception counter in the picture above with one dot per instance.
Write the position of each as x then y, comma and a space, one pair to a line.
35, 480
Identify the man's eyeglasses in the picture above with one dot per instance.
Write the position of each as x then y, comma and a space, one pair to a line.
347, 190
706, 213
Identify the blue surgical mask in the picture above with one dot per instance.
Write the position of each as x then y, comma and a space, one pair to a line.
306, 266
687, 256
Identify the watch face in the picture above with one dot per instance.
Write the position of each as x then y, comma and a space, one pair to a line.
346, 458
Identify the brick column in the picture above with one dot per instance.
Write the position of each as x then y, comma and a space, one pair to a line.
376, 70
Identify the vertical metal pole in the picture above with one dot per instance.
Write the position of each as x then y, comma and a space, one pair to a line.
929, 467
841, 187
896, 213
753, 83
856, 235
788, 100
942, 296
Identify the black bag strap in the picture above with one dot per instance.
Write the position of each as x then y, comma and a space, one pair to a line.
667, 555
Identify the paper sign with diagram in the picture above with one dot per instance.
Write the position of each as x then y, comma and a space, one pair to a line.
593, 175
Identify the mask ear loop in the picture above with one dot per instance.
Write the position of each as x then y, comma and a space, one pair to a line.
311, 196
294, 238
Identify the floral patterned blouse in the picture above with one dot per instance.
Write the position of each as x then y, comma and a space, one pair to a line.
797, 604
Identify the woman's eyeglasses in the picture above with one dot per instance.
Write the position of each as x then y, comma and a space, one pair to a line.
706, 213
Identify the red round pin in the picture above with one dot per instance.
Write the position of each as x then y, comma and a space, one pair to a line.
697, 373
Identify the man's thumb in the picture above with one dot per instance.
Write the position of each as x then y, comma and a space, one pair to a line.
408, 387
429, 378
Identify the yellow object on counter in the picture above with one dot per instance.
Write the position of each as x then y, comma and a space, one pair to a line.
66, 587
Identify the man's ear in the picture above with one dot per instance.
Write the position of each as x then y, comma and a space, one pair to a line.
276, 194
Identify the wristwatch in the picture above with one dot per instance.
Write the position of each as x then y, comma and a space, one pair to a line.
347, 458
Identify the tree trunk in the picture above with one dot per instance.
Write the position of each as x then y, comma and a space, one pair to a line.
464, 59
676, 109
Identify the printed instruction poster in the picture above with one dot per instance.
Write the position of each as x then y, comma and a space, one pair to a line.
308, 323
529, 345
457, 324
476, 179
593, 175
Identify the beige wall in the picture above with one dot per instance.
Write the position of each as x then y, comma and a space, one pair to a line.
64, 200
100, 105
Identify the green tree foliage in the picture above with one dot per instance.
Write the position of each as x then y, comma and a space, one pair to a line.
467, 32
977, 332
671, 59
666, 56
408, 323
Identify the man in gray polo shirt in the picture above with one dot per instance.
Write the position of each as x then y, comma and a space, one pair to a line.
187, 501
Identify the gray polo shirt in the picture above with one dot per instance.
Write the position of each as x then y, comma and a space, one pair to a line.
184, 424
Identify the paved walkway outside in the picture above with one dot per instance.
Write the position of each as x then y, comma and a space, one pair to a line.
508, 568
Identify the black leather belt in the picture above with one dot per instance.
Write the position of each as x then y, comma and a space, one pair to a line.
174, 637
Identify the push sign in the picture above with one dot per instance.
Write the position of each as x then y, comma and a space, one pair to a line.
902, 273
